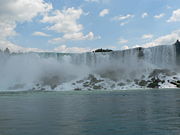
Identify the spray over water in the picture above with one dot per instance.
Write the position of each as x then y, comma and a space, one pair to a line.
133, 68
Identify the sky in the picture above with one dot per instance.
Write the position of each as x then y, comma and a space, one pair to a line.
85, 25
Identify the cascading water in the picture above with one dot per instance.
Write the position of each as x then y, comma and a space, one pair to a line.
153, 67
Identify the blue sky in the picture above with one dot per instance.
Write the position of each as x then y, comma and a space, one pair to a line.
83, 25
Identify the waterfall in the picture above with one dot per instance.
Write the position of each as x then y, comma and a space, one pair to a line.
103, 70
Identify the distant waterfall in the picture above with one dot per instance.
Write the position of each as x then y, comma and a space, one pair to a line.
162, 56
103, 70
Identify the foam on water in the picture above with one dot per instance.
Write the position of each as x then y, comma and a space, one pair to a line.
133, 68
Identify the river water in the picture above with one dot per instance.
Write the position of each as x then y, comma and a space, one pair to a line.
135, 112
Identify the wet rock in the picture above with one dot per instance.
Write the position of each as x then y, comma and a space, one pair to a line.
143, 76
121, 84
175, 78
80, 81
110, 74
97, 87
157, 72
155, 83
52, 81
86, 84
129, 81
53, 86
93, 79
176, 83
77, 89
42, 89
143, 83
92, 83
113, 86
136, 81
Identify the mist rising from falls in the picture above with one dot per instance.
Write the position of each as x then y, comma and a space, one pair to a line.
107, 70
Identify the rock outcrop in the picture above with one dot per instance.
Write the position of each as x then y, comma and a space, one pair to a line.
103, 50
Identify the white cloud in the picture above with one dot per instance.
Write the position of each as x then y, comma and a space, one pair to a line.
99, 1
168, 7
92, 0
159, 16
64, 21
104, 12
147, 36
175, 16
124, 47
22, 10
38, 33
168, 39
121, 17
74, 36
123, 23
7, 44
112, 47
16, 48
144, 15
14, 11
122, 41
7, 28
65, 49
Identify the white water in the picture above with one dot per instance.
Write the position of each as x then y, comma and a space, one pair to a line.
57, 71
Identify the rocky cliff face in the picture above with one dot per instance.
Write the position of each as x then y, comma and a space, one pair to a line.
177, 46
